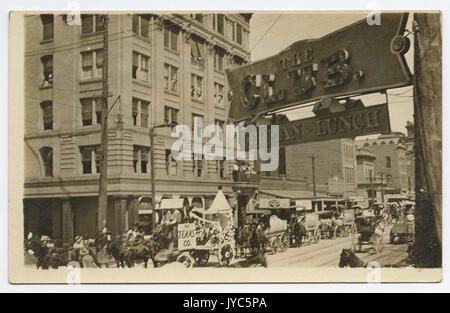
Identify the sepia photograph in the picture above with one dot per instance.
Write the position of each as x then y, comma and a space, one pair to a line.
225, 146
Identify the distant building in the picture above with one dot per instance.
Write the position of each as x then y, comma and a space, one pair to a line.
390, 163
365, 169
335, 165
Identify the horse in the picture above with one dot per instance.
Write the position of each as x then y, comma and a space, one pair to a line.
41, 253
243, 239
258, 240
348, 258
299, 233
143, 250
121, 255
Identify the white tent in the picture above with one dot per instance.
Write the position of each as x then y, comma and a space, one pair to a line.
220, 204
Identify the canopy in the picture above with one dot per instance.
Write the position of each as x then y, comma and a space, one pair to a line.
220, 204
171, 204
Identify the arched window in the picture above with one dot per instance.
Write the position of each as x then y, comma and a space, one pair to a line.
47, 26
47, 70
47, 114
47, 159
388, 162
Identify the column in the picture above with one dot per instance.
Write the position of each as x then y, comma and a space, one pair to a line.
57, 222
67, 222
120, 211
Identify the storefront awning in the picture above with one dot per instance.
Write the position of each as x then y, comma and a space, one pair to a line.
291, 194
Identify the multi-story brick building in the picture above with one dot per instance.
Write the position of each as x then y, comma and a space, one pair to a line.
390, 160
335, 164
164, 68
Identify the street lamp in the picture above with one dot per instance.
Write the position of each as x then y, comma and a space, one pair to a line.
152, 166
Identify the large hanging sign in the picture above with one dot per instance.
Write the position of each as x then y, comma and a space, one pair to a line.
348, 124
357, 59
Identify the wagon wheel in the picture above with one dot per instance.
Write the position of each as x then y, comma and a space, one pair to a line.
201, 257
317, 235
274, 245
285, 242
226, 255
186, 260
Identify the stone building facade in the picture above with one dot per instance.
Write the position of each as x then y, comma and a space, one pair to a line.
161, 68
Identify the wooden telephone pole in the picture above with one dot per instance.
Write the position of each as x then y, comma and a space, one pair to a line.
313, 159
428, 138
103, 184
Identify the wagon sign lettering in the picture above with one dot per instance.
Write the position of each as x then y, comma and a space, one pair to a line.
186, 236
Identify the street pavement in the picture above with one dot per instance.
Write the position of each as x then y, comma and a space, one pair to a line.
327, 252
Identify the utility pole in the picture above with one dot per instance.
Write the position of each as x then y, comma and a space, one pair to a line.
152, 174
428, 139
313, 158
103, 183
382, 188
371, 190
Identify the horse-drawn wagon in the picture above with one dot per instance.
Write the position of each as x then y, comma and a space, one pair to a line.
313, 225
209, 232
368, 233
277, 234
403, 230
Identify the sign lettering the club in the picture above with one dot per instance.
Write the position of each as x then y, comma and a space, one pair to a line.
357, 59
348, 124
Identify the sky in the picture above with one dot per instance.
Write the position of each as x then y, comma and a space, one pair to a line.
272, 32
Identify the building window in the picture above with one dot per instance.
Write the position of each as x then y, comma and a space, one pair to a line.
141, 25
141, 158
218, 94
92, 23
140, 112
170, 115
200, 127
197, 51
197, 165
197, 17
91, 112
47, 70
219, 56
238, 61
47, 159
47, 26
196, 87
239, 34
92, 64
171, 37
220, 22
388, 162
170, 78
221, 168
47, 114
90, 159
171, 163
140, 67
